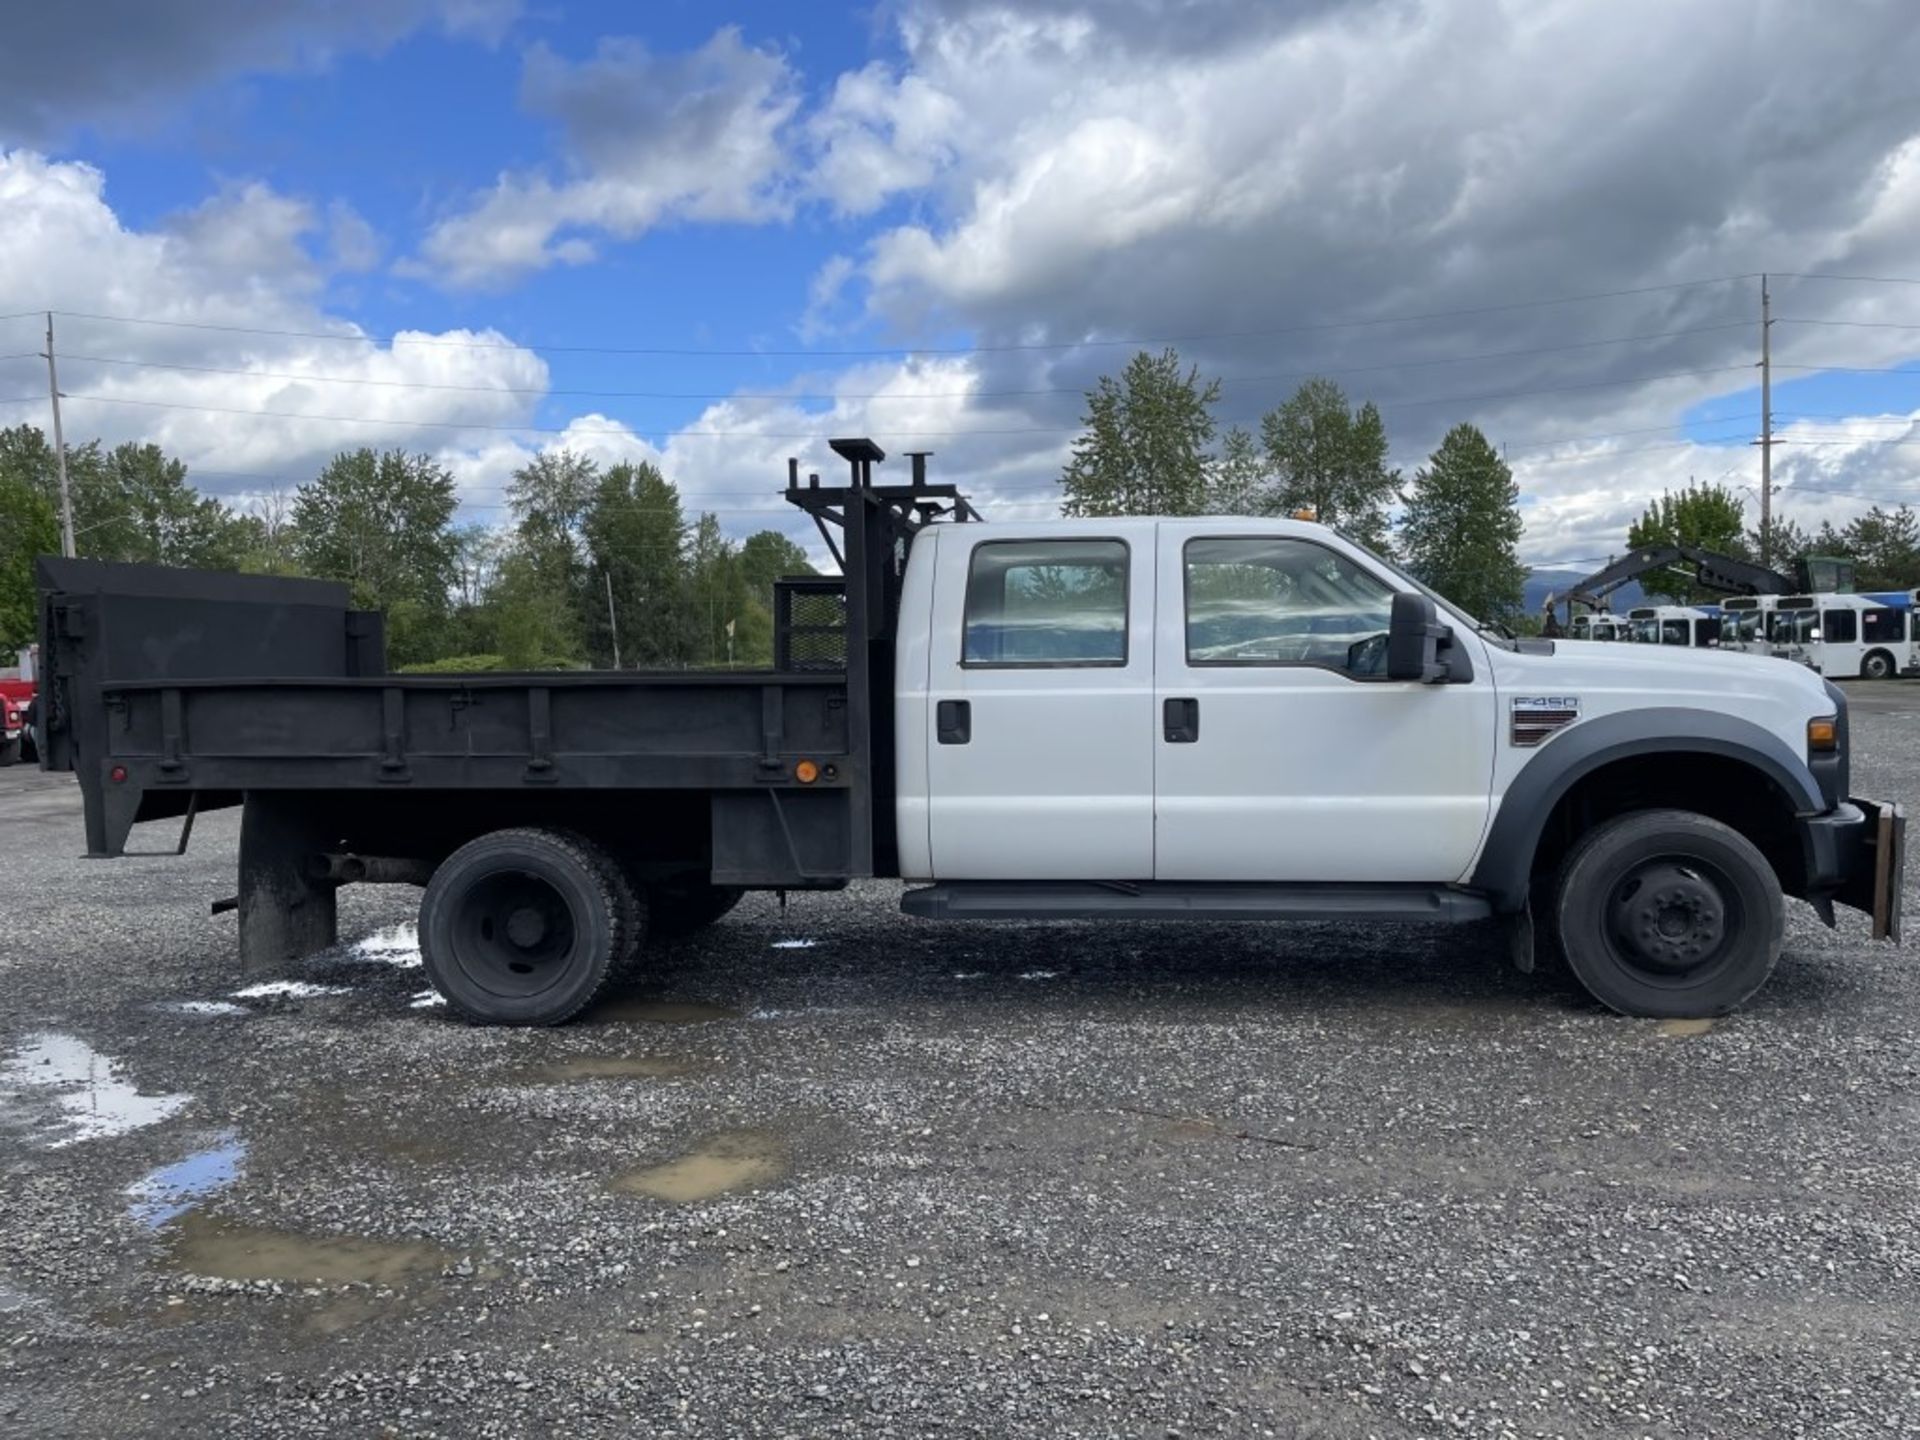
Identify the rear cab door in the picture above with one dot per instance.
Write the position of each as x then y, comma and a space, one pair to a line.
1038, 722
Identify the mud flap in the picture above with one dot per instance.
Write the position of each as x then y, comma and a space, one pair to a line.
1875, 885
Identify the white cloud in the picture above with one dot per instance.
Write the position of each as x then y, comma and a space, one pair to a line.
241, 259
648, 139
880, 133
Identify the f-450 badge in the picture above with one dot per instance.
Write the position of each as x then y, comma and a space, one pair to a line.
1535, 717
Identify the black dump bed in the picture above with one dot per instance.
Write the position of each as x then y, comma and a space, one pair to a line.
174, 691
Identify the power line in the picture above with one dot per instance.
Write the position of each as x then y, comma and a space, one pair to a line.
549, 392
1856, 279
1404, 319
1849, 324
812, 434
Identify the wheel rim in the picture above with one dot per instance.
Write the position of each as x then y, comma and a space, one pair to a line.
514, 934
1877, 667
1673, 920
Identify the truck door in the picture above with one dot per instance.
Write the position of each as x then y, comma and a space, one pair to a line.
1040, 706
1284, 753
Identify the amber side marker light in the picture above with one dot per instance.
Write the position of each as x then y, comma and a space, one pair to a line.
806, 772
1823, 734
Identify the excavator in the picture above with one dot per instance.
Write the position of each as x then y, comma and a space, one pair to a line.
1711, 570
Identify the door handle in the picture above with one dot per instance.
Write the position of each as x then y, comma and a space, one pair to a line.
953, 721
1181, 719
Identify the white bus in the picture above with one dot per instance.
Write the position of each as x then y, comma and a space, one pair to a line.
1840, 635
1673, 625
1743, 622
1600, 626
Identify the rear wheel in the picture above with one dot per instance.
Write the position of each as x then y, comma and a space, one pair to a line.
1878, 665
521, 927
10, 751
1668, 913
682, 907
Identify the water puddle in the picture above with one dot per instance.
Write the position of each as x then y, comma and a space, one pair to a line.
659, 1012
202, 1007
172, 1190
92, 1097
287, 989
731, 1160
228, 1250
1681, 1028
609, 1067
397, 945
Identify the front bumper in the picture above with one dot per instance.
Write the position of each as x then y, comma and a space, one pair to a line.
1856, 855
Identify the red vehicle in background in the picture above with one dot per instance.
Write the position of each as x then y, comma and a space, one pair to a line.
17, 689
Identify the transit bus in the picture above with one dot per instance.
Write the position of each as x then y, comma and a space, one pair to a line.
1840, 635
1673, 625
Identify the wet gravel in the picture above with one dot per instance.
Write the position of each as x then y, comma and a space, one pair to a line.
1136, 1180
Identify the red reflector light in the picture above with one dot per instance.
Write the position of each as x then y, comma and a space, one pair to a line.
117, 774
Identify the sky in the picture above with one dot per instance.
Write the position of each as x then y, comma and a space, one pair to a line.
714, 236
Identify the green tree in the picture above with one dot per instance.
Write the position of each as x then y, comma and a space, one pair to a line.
1885, 545
161, 519
767, 556
382, 522
1461, 530
1239, 481
1783, 543
1332, 460
1145, 446
636, 543
1709, 517
28, 529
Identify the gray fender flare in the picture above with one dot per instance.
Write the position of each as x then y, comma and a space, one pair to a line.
1506, 860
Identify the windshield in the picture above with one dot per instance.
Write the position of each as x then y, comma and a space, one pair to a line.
1646, 632
1793, 627
1485, 627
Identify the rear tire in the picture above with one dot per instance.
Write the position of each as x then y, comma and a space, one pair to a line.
521, 927
10, 751
1878, 665
685, 907
1669, 914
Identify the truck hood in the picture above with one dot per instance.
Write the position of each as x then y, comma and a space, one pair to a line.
1656, 672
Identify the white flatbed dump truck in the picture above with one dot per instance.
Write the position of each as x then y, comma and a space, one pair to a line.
1093, 719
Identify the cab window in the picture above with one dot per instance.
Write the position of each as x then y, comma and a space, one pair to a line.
1281, 601
1047, 602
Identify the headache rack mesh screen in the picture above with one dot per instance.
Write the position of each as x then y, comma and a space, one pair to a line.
810, 623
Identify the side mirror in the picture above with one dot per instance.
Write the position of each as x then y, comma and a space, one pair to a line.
1419, 647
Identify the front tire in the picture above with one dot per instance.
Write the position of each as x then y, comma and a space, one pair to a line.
521, 927
1878, 665
1669, 914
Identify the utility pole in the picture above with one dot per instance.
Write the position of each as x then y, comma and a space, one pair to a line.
613, 624
1766, 424
59, 447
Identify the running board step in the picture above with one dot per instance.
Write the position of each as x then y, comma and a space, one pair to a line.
1174, 900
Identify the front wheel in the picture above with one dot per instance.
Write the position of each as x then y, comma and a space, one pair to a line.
1670, 914
1877, 666
521, 927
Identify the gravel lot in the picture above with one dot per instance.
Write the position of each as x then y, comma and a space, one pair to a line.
834, 1171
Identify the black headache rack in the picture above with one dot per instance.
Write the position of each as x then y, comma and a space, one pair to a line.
173, 691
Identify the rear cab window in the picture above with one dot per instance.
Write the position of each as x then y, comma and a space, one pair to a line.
1046, 603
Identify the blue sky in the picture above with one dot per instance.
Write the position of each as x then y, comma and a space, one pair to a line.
771, 190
